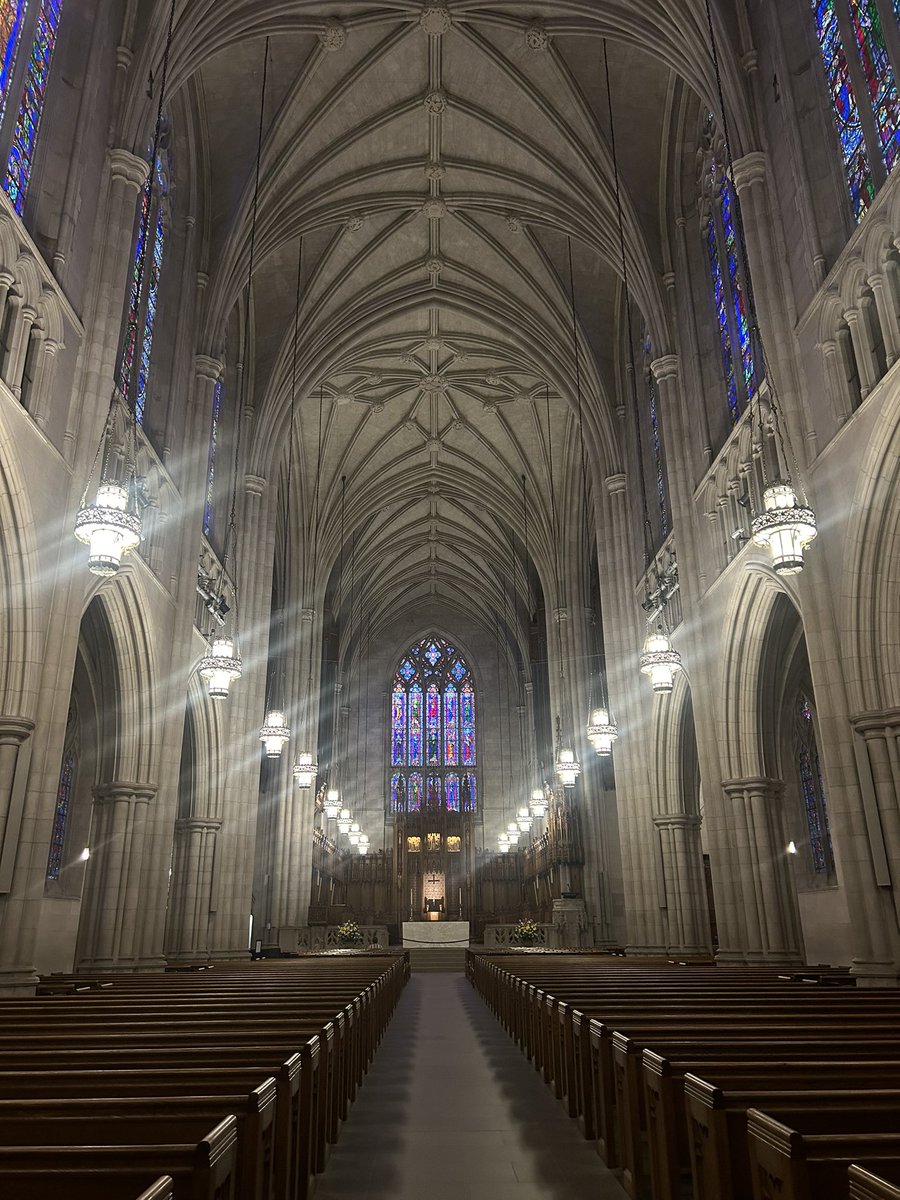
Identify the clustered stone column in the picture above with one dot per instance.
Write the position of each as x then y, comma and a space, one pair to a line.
192, 871
687, 915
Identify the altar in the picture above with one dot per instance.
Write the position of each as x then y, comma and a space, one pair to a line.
435, 933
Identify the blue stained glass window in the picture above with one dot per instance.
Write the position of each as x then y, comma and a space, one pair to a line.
813, 788
432, 725
721, 305
656, 439
879, 75
61, 815
12, 14
845, 109
469, 799
452, 793
209, 506
738, 303
155, 265
24, 139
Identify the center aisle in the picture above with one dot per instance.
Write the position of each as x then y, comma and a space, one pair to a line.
452, 1110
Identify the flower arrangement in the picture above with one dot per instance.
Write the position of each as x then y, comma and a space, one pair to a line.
526, 933
349, 934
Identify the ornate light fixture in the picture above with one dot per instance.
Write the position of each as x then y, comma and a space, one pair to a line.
111, 526
785, 528
503, 843
220, 668
275, 733
363, 844
568, 768
354, 833
538, 804
512, 833
332, 805
660, 661
344, 820
787, 525
305, 770
524, 819
602, 732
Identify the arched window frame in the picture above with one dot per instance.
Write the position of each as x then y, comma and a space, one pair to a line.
433, 761
859, 48
209, 507
653, 448
29, 32
153, 224
65, 795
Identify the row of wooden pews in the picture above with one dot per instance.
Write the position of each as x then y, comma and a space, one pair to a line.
225, 1084
715, 1083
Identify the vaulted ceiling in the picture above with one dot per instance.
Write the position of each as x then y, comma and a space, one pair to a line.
437, 162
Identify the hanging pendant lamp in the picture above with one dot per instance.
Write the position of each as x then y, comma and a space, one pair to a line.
602, 732
344, 820
785, 528
305, 770
660, 661
538, 804
332, 806
110, 527
220, 668
568, 768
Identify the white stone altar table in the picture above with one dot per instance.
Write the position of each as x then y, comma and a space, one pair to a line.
435, 933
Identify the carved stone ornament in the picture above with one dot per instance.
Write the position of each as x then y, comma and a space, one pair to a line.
434, 446
378, 408
435, 102
355, 223
342, 399
434, 383
513, 224
333, 36
435, 19
536, 36
434, 209
493, 380
434, 170
435, 344
434, 266
490, 410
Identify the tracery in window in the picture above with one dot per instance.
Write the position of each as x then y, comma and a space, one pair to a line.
812, 787
855, 27
24, 138
143, 299
433, 731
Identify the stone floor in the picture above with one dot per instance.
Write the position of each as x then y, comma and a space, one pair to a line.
452, 1110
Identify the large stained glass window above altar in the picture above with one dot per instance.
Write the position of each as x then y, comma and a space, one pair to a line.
433, 731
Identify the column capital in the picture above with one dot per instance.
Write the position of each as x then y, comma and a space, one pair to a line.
677, 820
307, 615
128, 167
749, 170
665, 367
255, 484
529, 688
108, 793
208, 367
876, 724
197, 824
753, 785
560, 614
15, 730
615, 484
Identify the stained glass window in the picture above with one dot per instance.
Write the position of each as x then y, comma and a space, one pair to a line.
432, 725
143, 297
879, 74
61, 815
738, 303
812, 787
24, 138
12, 16
656, 438
209, 506
718, 282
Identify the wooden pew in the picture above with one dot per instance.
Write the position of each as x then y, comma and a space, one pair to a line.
162, 1189
864, 1185
203, 1171
802, 1155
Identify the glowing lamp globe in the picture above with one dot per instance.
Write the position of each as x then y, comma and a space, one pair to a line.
363, 844
512, 832
601, 731
332, 805
659, 662
524, 819
108, 529
274, 734
503, 846
568, 767
785, 528
354, 833
220, 668
344, 820
538, 804
305, 769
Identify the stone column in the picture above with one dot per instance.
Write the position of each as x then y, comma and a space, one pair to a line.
862, 351
15, 366
187, 932
837, 384
112, 892
887, 317
686, 908
759, 865
42, 384
14, 731
237, 838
